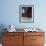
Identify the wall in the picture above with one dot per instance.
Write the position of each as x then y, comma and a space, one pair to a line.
9, 13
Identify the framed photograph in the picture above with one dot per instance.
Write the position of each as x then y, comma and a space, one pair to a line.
26, 13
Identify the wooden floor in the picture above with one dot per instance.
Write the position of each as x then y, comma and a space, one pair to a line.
1, 44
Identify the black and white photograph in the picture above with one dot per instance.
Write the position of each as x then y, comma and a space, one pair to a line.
26, 13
